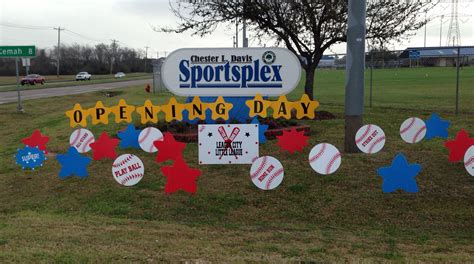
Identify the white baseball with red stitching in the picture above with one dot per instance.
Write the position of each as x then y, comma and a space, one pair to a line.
370, 139
147, 137
325, 158
266, 173
81, 139
469, 160
413, 130
128, 169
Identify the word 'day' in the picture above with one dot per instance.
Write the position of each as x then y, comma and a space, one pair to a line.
231, 72
228, 143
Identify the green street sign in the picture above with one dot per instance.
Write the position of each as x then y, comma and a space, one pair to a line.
17, 51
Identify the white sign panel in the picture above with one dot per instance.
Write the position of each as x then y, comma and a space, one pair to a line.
25, 62
231, 72
228, 143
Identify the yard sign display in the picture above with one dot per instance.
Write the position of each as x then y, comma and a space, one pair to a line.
252, 73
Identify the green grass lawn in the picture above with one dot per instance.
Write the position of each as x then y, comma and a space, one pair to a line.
340, 217
68, 80
431, 89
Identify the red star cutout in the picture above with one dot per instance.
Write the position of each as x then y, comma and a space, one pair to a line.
458, 147
36, 140
180, 177
104, 147
169, 148
292, 140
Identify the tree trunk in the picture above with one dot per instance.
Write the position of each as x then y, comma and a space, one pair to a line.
309, 82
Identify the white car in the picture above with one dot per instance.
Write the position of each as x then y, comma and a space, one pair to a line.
83, 76
119, 75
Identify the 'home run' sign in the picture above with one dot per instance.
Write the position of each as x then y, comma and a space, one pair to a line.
228, 144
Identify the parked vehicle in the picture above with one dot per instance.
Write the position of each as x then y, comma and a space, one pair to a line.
119, 75
32, 79
83, 76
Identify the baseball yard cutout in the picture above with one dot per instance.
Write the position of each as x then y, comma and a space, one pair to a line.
231, 72
128, 169
267, 173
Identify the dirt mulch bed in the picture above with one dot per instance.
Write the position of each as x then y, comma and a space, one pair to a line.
186, 132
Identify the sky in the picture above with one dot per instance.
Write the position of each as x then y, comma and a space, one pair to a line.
131, 23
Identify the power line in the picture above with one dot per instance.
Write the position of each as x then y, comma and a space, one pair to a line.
70, 32
84, 37
6, 24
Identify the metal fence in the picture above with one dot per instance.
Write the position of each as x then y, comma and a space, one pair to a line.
442, 70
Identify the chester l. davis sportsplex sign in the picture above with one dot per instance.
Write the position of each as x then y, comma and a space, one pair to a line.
17, 51
231, 72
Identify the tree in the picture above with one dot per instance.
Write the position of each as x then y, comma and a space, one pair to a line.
306, 27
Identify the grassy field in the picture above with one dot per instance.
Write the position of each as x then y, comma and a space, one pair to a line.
7, 83
335, 218
431, 89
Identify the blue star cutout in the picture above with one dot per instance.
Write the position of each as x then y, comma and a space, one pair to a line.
436, 127
400, 175
129, 137
261, 130
73, 163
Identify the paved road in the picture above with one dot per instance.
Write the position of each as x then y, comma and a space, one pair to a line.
8, 97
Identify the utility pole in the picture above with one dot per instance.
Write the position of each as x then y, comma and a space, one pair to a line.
236, 33
355, 66
425, 30
112, 59
441, 30
59, 49
245, 40
146, 55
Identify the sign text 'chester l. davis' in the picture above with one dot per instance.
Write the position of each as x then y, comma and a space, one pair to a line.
231, 72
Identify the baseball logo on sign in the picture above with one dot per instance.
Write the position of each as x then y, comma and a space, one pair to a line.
81, 139
413, 130
128, 169
147, 137
469, 160
370, 139
266, 173
324, 158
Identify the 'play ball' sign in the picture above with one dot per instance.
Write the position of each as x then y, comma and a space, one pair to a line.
231, 72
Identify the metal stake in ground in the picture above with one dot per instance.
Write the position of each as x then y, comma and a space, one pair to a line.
19, 107
355, 66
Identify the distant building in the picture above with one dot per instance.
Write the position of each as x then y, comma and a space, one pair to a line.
327, 61
437, 56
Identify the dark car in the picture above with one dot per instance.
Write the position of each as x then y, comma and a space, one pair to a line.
32, 79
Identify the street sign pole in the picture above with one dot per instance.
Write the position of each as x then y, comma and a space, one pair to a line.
355, 66
24, 52
457, 81
19, 107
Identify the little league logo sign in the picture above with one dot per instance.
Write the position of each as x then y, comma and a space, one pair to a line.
231, 72
228, 144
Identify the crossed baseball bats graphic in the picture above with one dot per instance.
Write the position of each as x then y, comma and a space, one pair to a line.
228, 140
